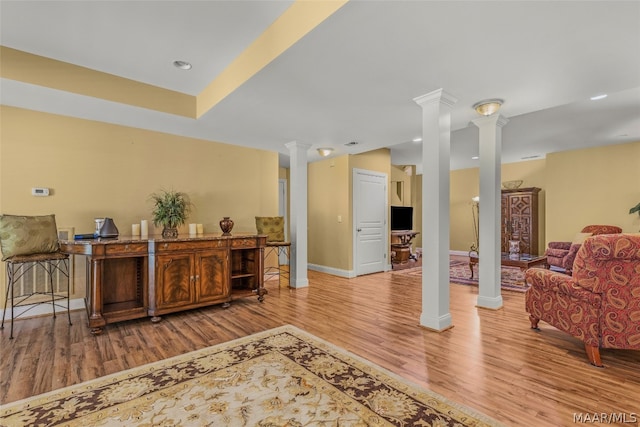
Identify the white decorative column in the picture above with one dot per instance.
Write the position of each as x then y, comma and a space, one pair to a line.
436, 153
298, 224
490, 141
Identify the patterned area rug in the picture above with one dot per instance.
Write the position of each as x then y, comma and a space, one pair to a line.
281, 377
512, 277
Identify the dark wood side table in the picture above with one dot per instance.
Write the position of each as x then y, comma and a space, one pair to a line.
522, 261
401, 246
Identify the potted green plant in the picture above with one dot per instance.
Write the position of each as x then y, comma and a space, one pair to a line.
635, 209
171, 209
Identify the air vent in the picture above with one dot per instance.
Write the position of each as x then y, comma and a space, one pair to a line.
348, 144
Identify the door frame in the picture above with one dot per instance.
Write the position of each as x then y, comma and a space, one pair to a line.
354, 217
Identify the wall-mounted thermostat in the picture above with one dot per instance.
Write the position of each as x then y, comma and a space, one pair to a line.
39, 191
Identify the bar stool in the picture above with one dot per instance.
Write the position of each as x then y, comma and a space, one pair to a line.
273, 227
18, 266
28, 243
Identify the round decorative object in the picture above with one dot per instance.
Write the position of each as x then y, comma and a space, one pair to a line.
169, 232
512, 185
226, 225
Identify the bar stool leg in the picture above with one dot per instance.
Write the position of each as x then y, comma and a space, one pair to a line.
6, 295
49, 267
65, 263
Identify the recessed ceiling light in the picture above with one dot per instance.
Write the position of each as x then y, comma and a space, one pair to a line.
597, 97
418, 139
475, 157
183, 65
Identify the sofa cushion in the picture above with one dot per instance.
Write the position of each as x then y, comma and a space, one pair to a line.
26, 235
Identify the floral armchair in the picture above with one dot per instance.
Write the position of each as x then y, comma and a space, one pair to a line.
600, 303
563, 254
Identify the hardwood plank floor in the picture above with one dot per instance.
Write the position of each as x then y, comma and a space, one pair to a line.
490, 360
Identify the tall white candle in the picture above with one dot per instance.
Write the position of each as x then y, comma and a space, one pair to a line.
192, 228
144, 228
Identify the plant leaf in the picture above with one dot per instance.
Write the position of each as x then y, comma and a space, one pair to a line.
635, 209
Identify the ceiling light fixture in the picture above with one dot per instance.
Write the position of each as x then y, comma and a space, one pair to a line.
183, 65
488, 106
325, 151
597, 97
418, 139
475, 158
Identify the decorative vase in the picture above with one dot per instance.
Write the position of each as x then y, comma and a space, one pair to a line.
169, 232
226, 225
108, 228
514, 248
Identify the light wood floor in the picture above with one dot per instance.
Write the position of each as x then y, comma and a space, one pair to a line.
490, 360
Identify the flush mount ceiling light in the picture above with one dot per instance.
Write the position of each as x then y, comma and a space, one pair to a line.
597, 97
183, 65
417, 139
325, 151
488, 106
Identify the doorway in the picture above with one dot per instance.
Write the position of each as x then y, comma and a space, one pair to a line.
370, 213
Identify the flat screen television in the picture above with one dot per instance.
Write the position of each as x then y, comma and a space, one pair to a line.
401, 218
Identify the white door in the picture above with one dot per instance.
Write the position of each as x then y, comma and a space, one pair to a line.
370, 221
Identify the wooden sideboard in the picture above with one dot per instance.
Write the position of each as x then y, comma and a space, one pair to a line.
520, 219
130, 278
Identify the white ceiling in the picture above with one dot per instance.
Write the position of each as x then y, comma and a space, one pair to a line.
354, 77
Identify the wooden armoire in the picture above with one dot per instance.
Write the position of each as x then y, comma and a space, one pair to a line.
520, 219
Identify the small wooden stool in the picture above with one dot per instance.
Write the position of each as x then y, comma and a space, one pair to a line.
50, 262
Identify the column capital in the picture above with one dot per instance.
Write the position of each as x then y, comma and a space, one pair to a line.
295, 144
436, 96
492, 120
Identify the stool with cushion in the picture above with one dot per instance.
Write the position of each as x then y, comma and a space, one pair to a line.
29, 242
273, 228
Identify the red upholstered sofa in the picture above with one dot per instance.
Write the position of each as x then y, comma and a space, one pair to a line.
563, 254
600, 303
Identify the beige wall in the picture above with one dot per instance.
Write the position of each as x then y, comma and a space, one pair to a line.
96, 169
400, 190
329, 196
465, 184
592, 186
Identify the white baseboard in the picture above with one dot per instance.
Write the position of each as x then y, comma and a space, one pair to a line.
35, 310
460, 253
349, 274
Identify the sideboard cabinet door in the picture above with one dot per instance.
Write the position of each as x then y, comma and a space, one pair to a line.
175, 280
212, 276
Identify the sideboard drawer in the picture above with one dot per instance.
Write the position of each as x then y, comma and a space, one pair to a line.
190, 245
243, 243
126, 249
